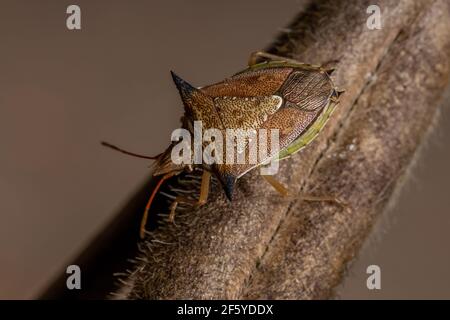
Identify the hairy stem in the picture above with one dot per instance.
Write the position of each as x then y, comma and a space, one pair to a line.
261, 246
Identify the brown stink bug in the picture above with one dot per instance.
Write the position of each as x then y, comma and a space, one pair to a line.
295, 98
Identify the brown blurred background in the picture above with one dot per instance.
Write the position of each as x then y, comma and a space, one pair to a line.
63, 91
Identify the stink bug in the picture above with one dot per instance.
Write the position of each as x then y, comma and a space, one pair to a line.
279, 93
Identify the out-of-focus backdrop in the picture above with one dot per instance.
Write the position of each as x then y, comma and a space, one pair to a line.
63, 91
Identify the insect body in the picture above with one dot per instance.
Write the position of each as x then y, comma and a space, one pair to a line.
295, 98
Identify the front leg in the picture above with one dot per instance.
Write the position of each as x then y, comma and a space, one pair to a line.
202, 199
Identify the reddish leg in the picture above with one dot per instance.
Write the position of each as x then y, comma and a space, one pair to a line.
150, 200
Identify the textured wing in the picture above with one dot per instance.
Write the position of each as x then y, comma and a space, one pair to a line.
202, 108
246, 113
253, 83
307, 90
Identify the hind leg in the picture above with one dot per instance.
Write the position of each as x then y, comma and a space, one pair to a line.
285, 193
255, 56
327, 67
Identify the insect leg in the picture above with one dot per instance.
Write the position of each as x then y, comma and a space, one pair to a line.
204, 191
254, 56
277, 185
175, 203
150, 200
328, 67
285, 193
